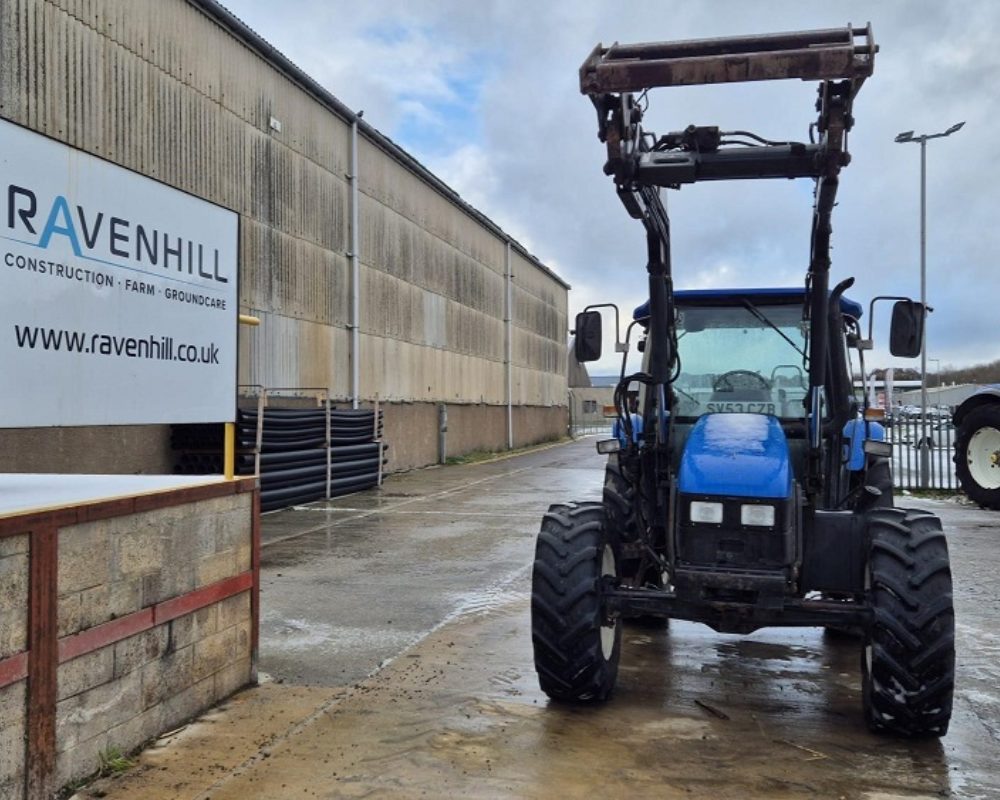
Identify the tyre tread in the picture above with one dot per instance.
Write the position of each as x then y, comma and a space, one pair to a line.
566, 605
909, 688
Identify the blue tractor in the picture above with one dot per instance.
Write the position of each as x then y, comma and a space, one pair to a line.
757, 490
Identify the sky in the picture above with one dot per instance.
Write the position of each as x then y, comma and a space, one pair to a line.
486, 94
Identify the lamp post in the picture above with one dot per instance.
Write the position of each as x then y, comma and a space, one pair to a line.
907, 136
937, 371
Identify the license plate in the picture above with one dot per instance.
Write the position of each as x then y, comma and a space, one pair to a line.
745, 407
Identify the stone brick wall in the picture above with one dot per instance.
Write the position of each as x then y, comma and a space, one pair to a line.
124, 694
112, 567
152, 620
131, 691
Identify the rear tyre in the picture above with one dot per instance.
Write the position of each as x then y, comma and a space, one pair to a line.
908, 662
576, 646
977, 455
879, 475
619, 508
623, 527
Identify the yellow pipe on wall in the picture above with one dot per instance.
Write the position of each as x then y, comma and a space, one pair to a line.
229, 435
229, 450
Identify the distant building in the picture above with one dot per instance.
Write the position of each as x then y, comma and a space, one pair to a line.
950, 396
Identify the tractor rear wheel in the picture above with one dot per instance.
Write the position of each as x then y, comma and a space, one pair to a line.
623, 526
908, 662
577, 647
977, 455
879, 476
619, 508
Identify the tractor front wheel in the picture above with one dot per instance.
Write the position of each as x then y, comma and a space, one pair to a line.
908, 662
577, 646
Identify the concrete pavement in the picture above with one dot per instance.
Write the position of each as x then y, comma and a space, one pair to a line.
398, 626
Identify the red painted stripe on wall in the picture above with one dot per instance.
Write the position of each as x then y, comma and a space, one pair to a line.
79, 644
99, 636
199, 598
13, 669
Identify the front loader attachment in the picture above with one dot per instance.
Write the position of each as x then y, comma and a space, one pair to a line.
829, 54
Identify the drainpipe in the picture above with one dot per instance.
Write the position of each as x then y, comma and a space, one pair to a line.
355, 272
442, 433
508, 354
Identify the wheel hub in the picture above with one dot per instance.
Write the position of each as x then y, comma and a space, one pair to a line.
983, 456
608, 569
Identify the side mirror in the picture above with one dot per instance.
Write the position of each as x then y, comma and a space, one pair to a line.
588, 336
906, 334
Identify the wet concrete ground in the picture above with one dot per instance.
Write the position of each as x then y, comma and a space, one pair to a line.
431, 575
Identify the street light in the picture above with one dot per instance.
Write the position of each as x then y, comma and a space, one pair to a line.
902, 138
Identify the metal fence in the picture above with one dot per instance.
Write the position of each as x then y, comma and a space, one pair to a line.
922, 455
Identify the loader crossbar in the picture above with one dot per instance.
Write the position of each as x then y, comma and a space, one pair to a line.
827, 54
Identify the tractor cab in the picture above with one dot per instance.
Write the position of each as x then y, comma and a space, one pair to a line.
745, 351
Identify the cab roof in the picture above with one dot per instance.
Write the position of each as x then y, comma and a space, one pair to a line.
781, 294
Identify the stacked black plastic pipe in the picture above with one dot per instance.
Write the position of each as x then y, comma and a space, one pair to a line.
292, 454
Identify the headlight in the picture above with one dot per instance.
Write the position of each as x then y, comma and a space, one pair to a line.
706, 512
757, 516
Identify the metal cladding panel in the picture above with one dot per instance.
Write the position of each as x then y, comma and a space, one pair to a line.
411, 372
399, 246
540, 324
533, 387
538, 283
161, 88
288, 275
284, 352
389, 183
390, 306
296, 195
535, 353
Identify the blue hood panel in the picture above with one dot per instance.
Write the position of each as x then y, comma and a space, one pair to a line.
738, 455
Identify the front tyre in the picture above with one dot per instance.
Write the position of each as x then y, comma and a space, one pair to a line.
908, 662
977, 455
577, 647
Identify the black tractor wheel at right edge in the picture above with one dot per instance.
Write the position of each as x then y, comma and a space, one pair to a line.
908, 662
576, 646
977, 455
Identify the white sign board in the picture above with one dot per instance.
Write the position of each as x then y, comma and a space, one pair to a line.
118, 296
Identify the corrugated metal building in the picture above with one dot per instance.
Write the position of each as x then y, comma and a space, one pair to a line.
181, 91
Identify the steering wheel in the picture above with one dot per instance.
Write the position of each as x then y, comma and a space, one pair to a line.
740, 379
